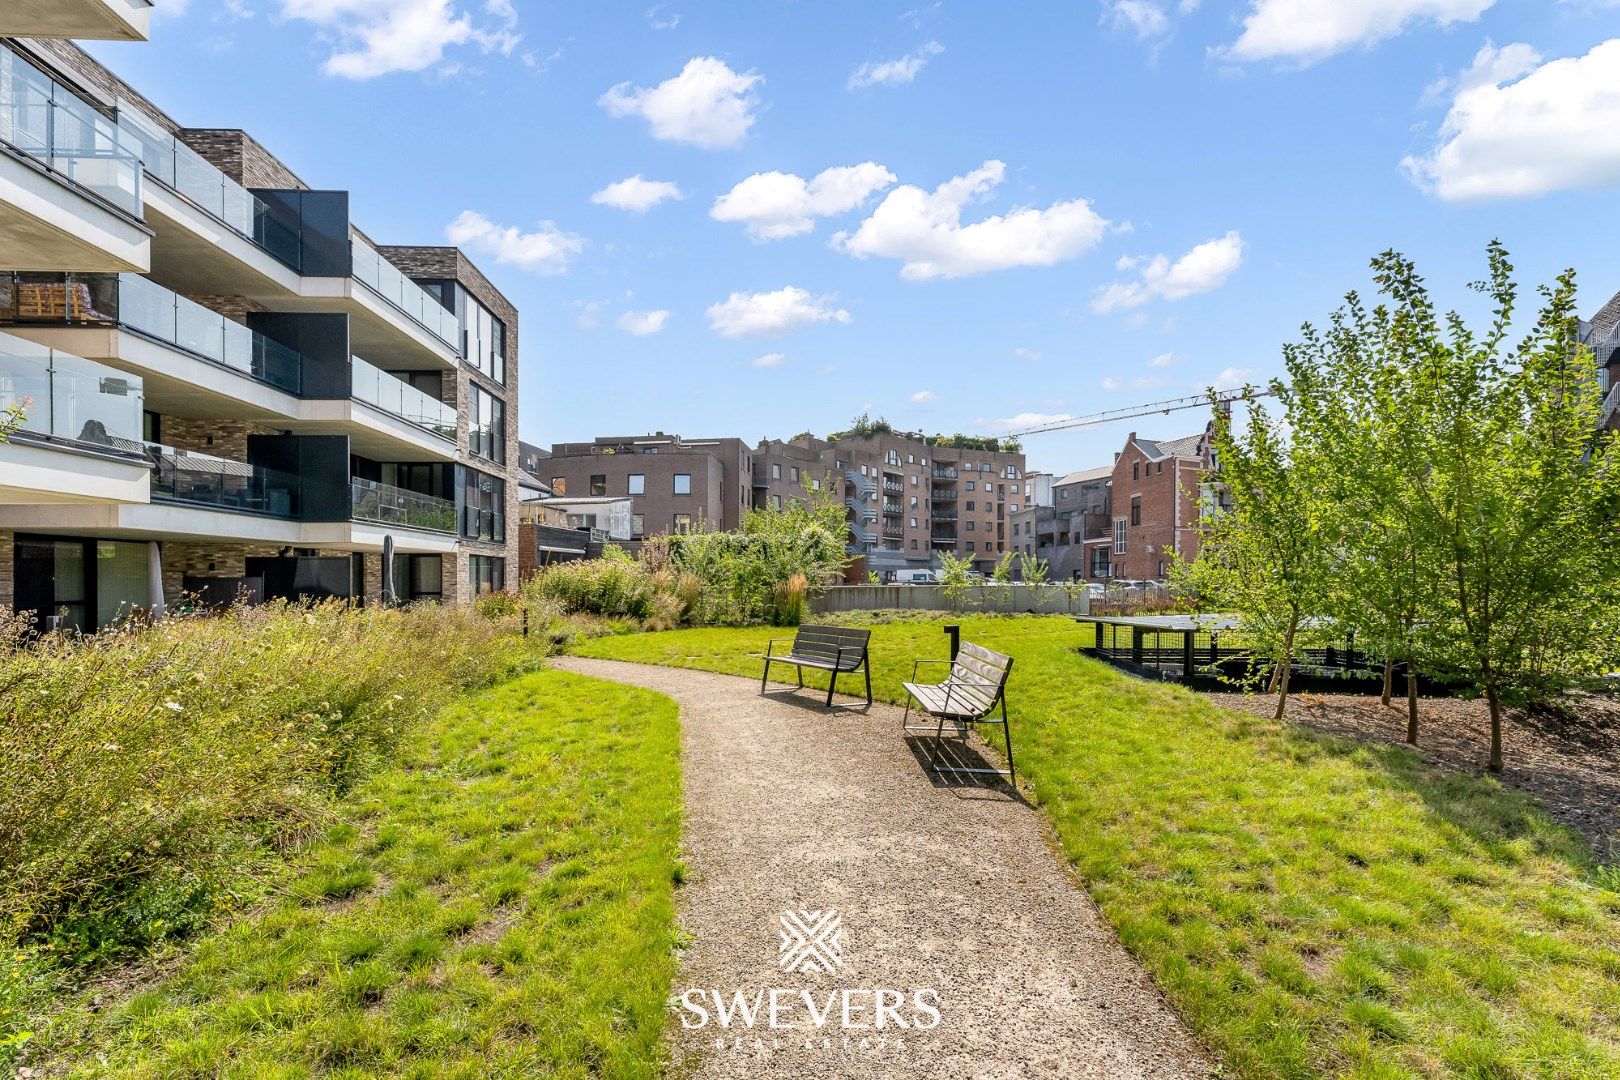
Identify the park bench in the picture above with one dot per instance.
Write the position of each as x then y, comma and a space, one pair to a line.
976, 684
833, 649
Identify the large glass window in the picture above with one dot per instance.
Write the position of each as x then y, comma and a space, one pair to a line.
683, 483
486, 574
483, 506
486, 426
419, 577
637, 484
483, 336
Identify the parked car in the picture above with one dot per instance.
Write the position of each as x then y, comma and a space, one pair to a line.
917, 577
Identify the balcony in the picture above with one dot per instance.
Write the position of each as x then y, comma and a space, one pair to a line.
383, 391
80, 439
943, 515
81, 20
384, 504
942, 495
213, 483
944, 474
385, 279
134, 303
70, 179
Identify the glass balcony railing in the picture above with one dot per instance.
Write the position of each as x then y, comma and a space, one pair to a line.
49, 123
386, 280
376, 387
66, 397
135, 303
180, 476
179, 167
384, 504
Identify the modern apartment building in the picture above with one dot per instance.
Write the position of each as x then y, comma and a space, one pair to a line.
675, 485
229, 389
907, 498
1056, 531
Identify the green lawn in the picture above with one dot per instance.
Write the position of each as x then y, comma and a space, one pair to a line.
498, 904
1313, 907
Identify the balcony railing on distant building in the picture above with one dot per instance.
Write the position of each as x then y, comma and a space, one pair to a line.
70, 399
135, 303
44, 120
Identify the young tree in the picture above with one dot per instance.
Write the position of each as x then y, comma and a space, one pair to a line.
1265, 559
953, 575
1520, 489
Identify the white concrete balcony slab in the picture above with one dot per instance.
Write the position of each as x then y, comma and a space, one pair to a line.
86, 20
193, 524
56, 474
50, 223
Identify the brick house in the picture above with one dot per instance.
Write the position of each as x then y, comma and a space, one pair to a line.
1156, 503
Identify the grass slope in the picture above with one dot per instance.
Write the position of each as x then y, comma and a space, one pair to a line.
500, 904
1312, 906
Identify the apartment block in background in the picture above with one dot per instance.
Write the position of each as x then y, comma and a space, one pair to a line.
1057, 528
675, 485
229, 389
907, 499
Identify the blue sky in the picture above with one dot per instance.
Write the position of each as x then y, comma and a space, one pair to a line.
1141, 196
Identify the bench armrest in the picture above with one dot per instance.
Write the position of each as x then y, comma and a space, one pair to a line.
915, 664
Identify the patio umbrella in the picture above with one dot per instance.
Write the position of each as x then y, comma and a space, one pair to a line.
389, 597
154, 579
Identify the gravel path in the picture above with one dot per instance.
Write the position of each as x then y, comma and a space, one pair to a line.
954, 889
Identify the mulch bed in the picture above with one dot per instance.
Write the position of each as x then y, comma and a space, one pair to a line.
1569, 763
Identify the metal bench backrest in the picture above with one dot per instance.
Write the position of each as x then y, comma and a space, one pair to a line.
979, 676
824, 643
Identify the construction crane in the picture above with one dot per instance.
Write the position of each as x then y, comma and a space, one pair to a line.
1152, 408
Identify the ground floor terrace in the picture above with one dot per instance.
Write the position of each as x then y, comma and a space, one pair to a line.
559, 874
65, 580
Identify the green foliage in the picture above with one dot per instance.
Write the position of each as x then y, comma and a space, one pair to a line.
12, 417
953, 577
865, 426
1311, 906
764, 572
498, 902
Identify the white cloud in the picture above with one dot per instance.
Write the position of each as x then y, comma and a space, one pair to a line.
642, 323
590, 313
1144, 18
1025, 420
1140, 382
1306, 31
773, 205
1233, 378
659, 21
1205, 267
924, 397
1519, 127
895, 72
706, 105
1027, 354
1163, 360
376, 37
770, 360
636, 194
925, 230
548, 250
772, 314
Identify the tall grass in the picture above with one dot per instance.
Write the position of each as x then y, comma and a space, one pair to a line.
139, 770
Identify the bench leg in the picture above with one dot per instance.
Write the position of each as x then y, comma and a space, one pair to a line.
1006, 731
765, 677
939, 742
799, 671
832, 684
867, 667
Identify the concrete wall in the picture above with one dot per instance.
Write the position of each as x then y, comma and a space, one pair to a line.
1008, 599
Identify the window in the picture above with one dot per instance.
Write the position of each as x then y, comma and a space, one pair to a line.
598, 485
968, 526
1099, 561
794, 474
486, 425
970, 545
1161, 568
638, 526
1136, 470
683, 485
1119, 536
914, 502
1015, 528
778, 500
1015, 489
636, 484
913, 543
419, 577
483, 506
559, 485
683, 524
582, 521
776, 472
913, 522
970, 504
913, 479
1136, 509
970, 485
486, 574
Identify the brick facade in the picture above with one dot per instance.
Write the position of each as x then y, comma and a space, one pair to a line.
1155, 494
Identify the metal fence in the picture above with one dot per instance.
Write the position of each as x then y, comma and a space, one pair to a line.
1006, 599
